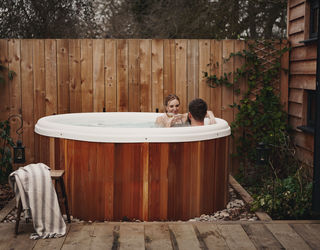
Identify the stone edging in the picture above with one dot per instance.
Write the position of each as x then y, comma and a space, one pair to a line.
247, 198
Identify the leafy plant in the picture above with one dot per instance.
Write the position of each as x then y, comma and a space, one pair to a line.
10, 73
6, 143
261, 119
288, 198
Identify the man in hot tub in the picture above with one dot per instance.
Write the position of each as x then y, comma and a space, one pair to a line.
198, 111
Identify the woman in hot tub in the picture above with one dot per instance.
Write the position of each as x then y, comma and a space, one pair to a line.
172, 117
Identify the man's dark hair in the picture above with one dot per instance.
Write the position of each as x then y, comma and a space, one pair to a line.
198, 109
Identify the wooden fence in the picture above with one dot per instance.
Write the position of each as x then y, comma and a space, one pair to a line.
55, 76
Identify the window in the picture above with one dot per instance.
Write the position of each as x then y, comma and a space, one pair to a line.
310, 118
311, 111
314, 18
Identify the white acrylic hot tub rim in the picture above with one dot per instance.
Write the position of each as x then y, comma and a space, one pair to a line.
48, 126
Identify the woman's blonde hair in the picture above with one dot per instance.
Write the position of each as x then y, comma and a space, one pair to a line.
170, 98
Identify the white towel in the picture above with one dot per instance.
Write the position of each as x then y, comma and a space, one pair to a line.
39, 200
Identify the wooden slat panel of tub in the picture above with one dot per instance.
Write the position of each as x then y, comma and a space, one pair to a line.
110, 47
216, 69
190, 179
196, 168
145, 75
86, 75
192, 70
75, 75
221, 172
157, 74
27, 98
106, 150
158, 181
98, 75
69, 175
128, 181
134, 75
51, 76
169, 68
181, 73
208, 191
63, 76
122, 76
175, 167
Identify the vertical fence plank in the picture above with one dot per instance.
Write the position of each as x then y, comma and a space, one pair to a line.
204, 66
63, 76
4, 86
181, 73
157, 74
39, 94
145, 75
110, 75
134, 75
227, 92
122, 76
86, 76
241, 84
169, 67
39, 79
27, 98
15, 85
51, 76
75, 75
193, 70
98, 75
216, 69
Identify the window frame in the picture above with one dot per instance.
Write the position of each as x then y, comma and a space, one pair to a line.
311, 122
314, 6
309, 126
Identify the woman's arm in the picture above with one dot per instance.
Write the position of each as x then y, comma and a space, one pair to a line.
210, 115
165, 121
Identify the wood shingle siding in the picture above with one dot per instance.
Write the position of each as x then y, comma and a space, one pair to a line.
302, 75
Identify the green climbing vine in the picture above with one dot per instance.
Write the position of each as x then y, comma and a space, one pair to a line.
261, 119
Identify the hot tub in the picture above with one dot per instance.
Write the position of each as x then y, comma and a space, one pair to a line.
120, 165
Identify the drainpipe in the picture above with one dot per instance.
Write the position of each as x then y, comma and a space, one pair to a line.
316, 154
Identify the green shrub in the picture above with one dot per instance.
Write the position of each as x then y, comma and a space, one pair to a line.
288, 198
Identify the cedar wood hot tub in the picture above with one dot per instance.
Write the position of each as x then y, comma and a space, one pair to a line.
115, 167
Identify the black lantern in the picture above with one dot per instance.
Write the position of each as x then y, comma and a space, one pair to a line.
262, 154
19, 153
18, 149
